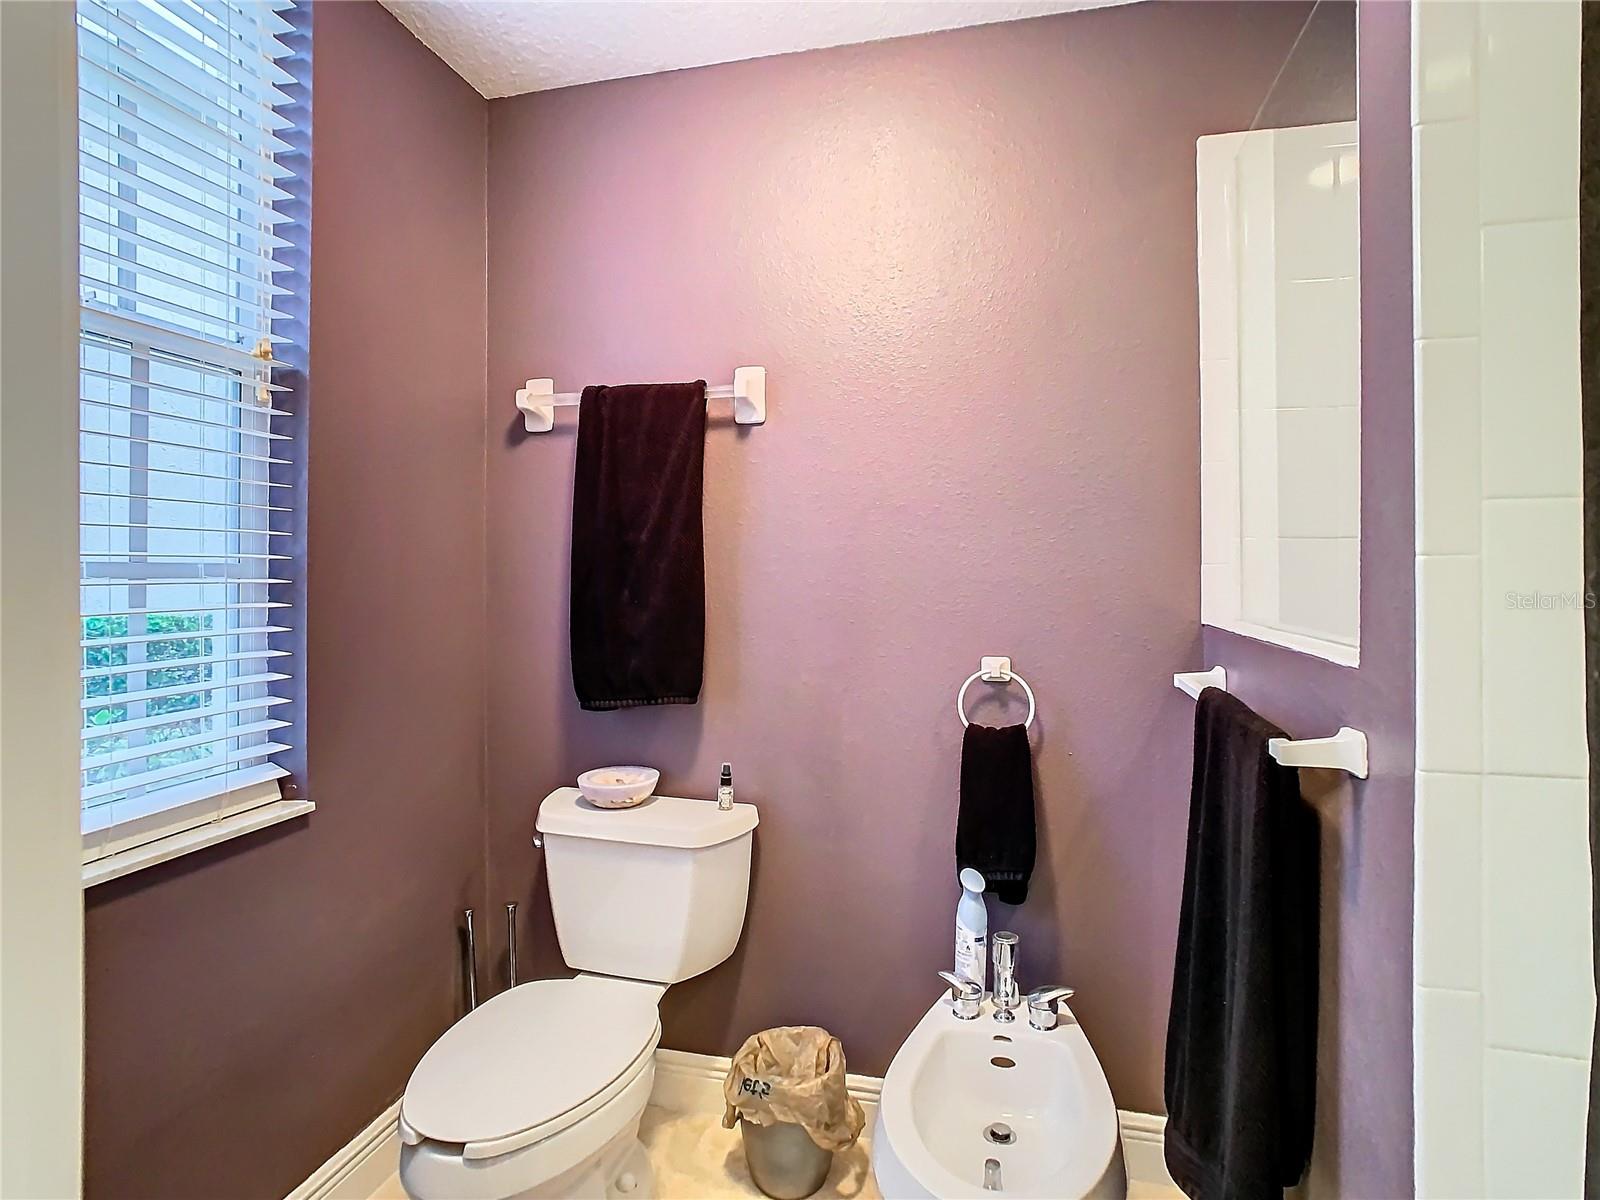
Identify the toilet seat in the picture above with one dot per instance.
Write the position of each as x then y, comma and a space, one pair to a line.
529, 1063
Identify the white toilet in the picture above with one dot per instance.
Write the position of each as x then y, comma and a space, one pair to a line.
539, 1091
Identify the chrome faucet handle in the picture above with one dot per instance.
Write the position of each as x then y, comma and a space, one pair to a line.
1006, 995
966, 996
1042, 1010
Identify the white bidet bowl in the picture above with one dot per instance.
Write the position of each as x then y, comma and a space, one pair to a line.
963, 1094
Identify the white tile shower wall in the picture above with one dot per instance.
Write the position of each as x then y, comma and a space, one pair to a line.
1533, 1117
1449, 634
1450, 1020
1533, 637
1536, 913
1449, 482
1504, 1003
1530, 358
1450, 882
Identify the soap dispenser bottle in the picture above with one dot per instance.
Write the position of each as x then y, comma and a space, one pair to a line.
972, 929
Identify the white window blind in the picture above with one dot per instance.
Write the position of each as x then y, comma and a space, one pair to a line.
183, 525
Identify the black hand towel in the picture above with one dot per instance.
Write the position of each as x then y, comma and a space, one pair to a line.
638, 546
1242, 1036
994, 829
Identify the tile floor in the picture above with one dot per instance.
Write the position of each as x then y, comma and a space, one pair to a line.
695, 1158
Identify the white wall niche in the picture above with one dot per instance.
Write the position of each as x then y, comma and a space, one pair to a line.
1278, 223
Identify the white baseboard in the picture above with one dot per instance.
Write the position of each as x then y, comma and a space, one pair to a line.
693, 1083
1143, 1135
358, 1171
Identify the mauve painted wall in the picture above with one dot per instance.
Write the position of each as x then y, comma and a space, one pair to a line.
1364, 1111
967, 261
253, 1006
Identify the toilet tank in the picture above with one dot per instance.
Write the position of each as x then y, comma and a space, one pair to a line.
654, 892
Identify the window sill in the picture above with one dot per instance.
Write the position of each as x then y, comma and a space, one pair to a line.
1301, 643
125, 862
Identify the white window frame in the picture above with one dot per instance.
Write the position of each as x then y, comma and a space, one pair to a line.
160, 821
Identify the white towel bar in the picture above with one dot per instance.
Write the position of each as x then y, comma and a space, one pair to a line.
1344, 751
538, 400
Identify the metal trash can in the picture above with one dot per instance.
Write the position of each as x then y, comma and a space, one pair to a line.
787, 1089
784, 1162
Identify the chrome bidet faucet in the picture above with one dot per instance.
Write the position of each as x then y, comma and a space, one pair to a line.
1007, 996
966, 996
1043, 1011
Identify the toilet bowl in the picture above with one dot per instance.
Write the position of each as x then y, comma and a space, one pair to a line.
980, 1108
537, 1093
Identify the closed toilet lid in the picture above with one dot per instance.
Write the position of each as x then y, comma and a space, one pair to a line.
527, 1056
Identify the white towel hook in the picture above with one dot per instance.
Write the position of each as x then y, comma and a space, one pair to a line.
994, 669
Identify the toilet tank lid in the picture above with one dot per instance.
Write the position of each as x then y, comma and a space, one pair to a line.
660, 821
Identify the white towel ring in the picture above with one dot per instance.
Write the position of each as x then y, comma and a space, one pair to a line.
990, 674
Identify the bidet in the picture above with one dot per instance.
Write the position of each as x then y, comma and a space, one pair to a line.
974, 1109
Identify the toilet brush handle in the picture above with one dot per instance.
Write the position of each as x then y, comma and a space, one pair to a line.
472, 965
511, 945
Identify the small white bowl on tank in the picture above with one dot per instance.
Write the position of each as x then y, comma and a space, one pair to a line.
618, 787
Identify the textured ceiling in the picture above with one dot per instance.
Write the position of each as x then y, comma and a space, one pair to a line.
506, 47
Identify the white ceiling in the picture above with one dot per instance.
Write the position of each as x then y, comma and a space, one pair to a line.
507, 47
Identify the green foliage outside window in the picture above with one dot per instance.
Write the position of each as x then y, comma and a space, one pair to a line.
188, 640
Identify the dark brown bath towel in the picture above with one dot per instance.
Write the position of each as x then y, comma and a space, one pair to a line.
638, 546
1242, 1038
994, 828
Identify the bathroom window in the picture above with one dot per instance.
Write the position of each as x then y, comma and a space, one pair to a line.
185, 515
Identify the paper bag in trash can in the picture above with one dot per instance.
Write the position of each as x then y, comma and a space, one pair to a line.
794, 1073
